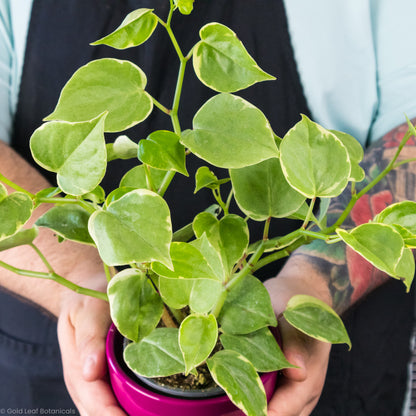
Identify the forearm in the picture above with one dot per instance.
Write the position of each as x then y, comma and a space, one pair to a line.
78, 263
347, 276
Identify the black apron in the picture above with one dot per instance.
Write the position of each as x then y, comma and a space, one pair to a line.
369, 380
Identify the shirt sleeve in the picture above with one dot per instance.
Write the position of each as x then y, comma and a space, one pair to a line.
6, 71
394, 33
356, 63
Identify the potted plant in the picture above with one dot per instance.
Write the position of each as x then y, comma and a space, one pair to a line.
187, 301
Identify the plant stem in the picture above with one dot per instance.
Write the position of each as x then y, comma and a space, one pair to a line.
266, 228
43, 258
166, 182
56, 278
309, 214
160, 106
56, 200
149, 180
249, 266
375, 181
218, 198
15, 186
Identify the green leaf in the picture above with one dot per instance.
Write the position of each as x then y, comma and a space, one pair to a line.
211, 255
198, 336
185, 6
314, 160
260, 348
382, 246
221, 61
229, 236
205, 178
136, 177
237, 376
355, 152
103, 85
135, 29
134, 228
204, 295
157, 355
230, 132
261, 191
75, 151
15, 210
406, 268
162, 150
97, 195
20, 238
135, 306
402, 213
122, 148
47, 193
191, 281
68, 221
316, 319
187, 262
247, 308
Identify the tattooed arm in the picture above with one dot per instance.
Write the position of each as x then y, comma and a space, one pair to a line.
335, 274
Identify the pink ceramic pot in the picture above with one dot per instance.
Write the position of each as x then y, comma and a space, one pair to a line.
137, 400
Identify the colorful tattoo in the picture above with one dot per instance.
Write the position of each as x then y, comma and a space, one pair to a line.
349, 276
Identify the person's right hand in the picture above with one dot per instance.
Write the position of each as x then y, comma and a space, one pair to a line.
82, 328
298, 389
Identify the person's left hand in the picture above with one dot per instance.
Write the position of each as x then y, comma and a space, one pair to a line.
83, 323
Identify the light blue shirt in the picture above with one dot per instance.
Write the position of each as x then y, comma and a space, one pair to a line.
355, 59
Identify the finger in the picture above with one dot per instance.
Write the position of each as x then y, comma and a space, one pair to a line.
83, 358
299, 389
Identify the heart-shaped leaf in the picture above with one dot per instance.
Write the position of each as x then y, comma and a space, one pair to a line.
69, 221
15, 210
205, 178
211, 255
221, 61
316, 319
157, 355
239, 379
75, 151
135, 29
198, 336
247, 308
135, 306
185, 6
191, 281
188, 263
136, 177
260, 348
356, 154
134, 228
110, 85
229, 236
230, 132
402, 213
314, 160
162, 150
381, 245
261, 191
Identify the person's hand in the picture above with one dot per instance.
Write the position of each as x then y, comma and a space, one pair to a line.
298, 389
82, 327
